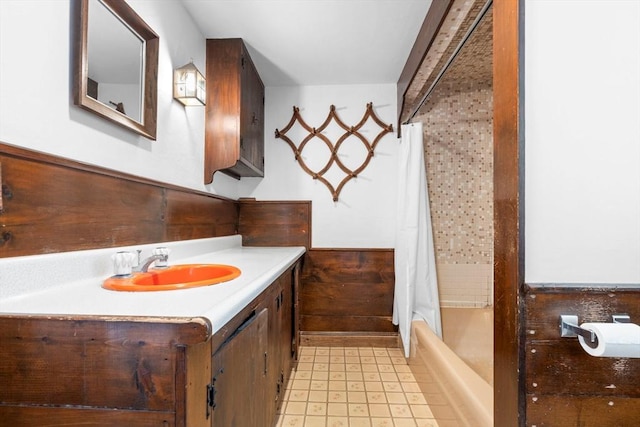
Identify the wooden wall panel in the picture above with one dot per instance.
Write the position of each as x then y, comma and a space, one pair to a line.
341, 290
271, 223
344, 322
50, 204
553, 411
345, 295
347, 290
189, 217
565, 386
54, 208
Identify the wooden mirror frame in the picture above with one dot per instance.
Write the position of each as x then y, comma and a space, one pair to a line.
120, 8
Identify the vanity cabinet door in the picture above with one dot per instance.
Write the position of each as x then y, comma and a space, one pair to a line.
234, 120
239, 379
253, 361
287, 332
280, 339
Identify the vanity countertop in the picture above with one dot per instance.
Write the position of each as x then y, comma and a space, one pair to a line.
70, 283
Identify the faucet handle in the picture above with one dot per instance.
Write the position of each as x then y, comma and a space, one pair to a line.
164, 252
123, 263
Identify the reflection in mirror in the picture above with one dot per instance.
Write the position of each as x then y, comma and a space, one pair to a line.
116, 64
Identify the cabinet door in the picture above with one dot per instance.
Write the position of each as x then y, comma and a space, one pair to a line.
280, 338
286, 325
275, 388
234, 124
240, 377
251, 118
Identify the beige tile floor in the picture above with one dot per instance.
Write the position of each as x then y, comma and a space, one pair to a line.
353, 387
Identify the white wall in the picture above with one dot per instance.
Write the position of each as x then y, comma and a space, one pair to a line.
364, 215
36, 110
582, 131
582, 113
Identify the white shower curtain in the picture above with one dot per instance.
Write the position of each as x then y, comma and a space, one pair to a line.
416, 285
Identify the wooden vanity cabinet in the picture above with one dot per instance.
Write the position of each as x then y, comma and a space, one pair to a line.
106, 371
234, 121
144, 371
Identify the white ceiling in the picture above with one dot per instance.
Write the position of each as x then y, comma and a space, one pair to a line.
317, 42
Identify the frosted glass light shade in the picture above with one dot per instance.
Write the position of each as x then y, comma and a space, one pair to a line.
189, 85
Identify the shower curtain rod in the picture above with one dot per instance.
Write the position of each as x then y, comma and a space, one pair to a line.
455, 53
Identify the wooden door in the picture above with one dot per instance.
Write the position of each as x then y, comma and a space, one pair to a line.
286, 326
274, 383
251, 117
240, 376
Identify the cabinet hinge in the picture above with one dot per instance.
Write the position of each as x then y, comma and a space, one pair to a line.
211, 393
242, 62
280, 385
211, 398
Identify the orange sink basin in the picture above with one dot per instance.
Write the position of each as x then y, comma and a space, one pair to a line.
175, 277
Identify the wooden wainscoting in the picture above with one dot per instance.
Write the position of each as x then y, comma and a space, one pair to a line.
565, 386
275, 223
193, 216
346, 298
51, 204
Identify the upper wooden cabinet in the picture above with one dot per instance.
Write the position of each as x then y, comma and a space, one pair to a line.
234, 128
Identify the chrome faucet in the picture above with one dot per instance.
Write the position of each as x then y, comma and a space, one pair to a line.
159, 255
159, 259
124, 261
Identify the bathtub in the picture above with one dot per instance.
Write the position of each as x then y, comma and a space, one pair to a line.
455, 392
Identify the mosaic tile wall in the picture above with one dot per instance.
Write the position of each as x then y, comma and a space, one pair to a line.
459, 162
458, 136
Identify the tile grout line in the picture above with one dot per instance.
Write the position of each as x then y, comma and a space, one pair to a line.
353, 386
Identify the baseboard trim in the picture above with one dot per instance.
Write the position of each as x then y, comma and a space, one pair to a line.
350, 339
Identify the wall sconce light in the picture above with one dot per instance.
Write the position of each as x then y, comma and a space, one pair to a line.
189, 85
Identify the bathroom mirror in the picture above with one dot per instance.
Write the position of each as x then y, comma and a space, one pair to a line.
116, 64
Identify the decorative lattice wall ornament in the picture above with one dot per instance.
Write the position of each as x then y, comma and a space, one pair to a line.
334, 158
